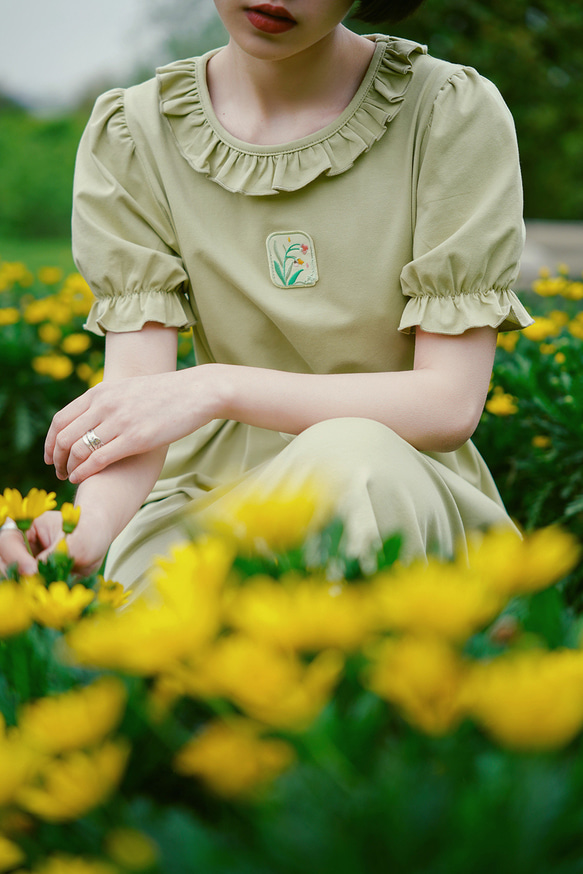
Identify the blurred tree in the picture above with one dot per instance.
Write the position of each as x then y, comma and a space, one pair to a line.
186, 27
36, 172
533, 51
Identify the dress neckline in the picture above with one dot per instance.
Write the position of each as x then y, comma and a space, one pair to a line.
253, 169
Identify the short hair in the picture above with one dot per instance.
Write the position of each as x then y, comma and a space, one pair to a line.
381, 11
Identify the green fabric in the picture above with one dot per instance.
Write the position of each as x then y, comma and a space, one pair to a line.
317, 256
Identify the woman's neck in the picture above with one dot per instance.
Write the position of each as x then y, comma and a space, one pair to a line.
268, 102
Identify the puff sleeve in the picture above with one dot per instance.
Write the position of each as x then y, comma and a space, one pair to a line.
469, 232
123, 239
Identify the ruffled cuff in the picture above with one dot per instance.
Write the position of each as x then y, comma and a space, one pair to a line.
498, 308
130, 312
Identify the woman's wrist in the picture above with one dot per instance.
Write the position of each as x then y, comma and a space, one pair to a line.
214, 390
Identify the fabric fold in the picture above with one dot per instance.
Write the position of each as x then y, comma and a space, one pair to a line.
456, 313
244, 168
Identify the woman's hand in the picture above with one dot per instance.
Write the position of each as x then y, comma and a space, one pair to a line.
87, 545
130, 417
142, 404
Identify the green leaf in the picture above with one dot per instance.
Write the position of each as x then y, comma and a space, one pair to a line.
293, 278
546, 616
279, 271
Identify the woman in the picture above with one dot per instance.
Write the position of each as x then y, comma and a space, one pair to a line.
339, 219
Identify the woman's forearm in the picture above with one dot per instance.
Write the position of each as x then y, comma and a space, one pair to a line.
435, 407
108, 501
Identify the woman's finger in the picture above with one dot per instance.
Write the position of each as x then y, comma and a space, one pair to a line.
45, 531
62, 420
71, 447
13, 549
112, 451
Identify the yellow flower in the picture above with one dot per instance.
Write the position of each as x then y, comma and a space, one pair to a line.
62, 864
267, 522
50, 275
53, 365
58, 606
552, 286
541, 441
543, 327
512, 566
559, 317
25, 510
131, 849
423, 676
270, 685
192, 570
501, 404
560, 358
508, 340
112, 594
576, 326
75, 344
77, 295
12, 272
96, 378
15, 612
18, 763
73, 720
305, 614
9, 316
142, 639
547, 348
232, 758
574, 291
434, 598
73, 785
528, 700
11, 854
70, 515
84, 372
50, 334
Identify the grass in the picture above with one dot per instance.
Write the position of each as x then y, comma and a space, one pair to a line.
38, 253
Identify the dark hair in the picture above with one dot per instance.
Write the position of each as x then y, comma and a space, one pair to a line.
381, 11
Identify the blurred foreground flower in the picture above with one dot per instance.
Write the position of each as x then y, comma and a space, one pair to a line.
529, 700
10, 855
233, 758
71, 786
73, 720
509, 565
267, 522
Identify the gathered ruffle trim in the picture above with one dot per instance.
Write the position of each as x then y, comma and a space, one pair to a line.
130, 312
259, 170
496, 308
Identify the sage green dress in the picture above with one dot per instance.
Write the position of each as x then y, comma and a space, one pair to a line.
316, 256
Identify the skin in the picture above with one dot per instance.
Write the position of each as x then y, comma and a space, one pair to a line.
265, 89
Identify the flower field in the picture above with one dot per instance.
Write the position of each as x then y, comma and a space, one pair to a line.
271, 707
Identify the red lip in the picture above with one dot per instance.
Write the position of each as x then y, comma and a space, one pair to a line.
275, 11
269, 18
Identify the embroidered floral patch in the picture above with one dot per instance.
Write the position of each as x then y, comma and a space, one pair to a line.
292, 259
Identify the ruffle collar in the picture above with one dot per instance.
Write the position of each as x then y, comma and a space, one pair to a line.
246, 168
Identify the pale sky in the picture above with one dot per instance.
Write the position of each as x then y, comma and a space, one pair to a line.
51, 51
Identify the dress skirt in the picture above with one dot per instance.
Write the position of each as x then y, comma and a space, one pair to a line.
375, 481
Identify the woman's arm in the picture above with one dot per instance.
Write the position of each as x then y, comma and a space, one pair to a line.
110, 499
435, 407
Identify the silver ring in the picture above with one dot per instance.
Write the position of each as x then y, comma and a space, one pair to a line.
91, 440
